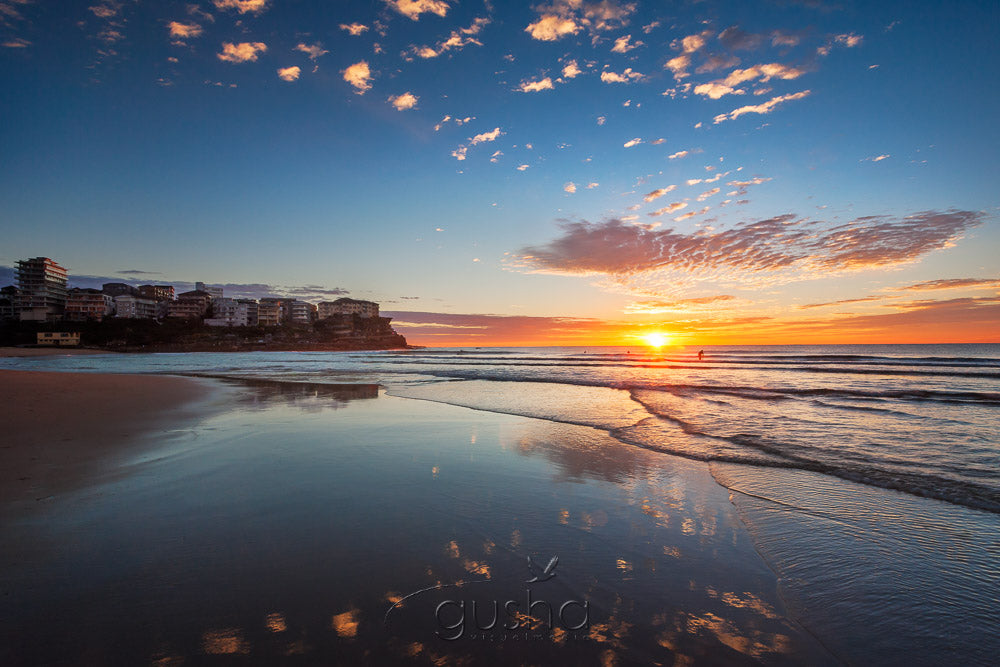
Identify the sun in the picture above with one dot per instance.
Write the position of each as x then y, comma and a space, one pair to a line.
656, 339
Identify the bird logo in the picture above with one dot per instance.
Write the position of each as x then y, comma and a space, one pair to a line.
544, 575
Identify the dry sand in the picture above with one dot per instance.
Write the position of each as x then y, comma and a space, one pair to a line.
57, 428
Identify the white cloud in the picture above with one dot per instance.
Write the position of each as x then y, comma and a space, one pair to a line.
485, 136
551, 27
622, 44
592, 185
358, 75
459, 153
570, 187
289, 73
412, 9
601, 120
679, 66
314, 51
879, 158
624, 77
632, 142
535, 86
571, 70
708, 193
496, 156
354, 28
763, 108
715, 90
679, 154
242, 52
522, 167
403, 102
458, 39
692, 43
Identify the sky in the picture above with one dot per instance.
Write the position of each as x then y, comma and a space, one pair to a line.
567, 172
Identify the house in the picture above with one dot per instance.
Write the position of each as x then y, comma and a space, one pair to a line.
59, 338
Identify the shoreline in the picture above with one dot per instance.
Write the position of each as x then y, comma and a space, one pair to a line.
61, 428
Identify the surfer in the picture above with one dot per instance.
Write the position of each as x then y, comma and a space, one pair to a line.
701, 354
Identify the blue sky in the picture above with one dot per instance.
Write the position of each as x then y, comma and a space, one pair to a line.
443, 150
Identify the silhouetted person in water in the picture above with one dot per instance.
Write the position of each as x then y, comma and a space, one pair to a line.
701, 354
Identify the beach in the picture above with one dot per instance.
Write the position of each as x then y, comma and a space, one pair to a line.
59, 427
289, 521
382, 508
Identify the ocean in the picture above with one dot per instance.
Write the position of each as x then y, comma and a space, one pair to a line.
868, 476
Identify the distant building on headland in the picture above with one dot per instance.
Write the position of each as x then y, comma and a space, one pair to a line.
269, 312
42, 285
345, 306
88, 304
302, 312
157, 292
214, 292
136, 308
190, 304
42, 295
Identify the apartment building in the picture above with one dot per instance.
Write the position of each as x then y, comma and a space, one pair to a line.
87, 304
42, 285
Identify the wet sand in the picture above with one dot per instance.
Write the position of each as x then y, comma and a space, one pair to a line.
288, 523
46, 351
60, 428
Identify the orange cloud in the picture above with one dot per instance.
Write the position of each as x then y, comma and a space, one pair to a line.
242, 6
412, 9
289, 73
359, 75
183, 30
404, 101
242, 52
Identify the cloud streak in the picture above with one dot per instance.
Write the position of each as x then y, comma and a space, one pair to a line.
775, 250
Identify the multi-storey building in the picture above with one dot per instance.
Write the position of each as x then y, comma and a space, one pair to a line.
135, 308
345, 306
190, 305
229, 313
269, 312
302, 312
252, 306
214, 292
42, 284
88, 304
157, 292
